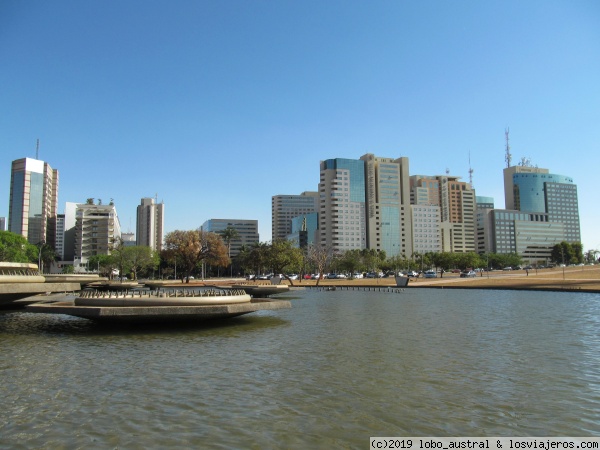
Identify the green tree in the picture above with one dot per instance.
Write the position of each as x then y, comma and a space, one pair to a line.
47, 255
140, 258
350, 261
284, 257
16, 248
229, 234
104, 264
119, 256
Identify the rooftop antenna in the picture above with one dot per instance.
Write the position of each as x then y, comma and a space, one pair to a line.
447, 171
470, 172
37, 149
508, 156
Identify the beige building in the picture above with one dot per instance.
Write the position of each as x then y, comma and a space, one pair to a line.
150, 224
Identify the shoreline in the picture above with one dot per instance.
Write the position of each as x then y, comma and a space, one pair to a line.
571, 279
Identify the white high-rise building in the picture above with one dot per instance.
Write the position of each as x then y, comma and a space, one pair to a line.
342, 224
97, 228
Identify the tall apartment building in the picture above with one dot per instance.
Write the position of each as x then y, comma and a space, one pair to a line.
2, 223
387, 205
342, 224
150, 224
33, 201
458, 207
247, 232
96, 229
284, 208
457, 218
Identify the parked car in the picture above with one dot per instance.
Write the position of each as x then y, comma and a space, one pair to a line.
293, 276
410, 273
507, 268
468, 274
455, 270
430, 274
357, 275
375, 275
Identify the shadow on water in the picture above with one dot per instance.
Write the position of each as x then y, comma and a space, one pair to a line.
24, 323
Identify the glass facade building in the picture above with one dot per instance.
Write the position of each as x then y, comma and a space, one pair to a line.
33, 201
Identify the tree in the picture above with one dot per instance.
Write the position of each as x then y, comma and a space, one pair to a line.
104, 264
350, 261
229, 234
46, 256
321, 257
140, 258
191, 248
119, 256
16, 248
283, 257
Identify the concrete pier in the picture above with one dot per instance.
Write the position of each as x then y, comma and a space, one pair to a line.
158, 313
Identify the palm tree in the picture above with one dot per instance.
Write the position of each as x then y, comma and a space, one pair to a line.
229, 234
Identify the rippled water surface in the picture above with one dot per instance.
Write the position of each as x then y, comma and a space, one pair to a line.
332, 371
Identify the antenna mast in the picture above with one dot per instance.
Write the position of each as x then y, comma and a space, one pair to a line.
470, 172
508, 156
37, 149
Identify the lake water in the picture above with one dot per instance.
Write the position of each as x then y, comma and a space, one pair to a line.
332, 371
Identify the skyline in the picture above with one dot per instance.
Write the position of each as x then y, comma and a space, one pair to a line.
223, 106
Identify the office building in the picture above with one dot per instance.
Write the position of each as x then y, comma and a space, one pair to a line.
2, 223
426, 226
387, 205
305, 230
342, 224
150, 224
286, 207
535, 190
484, 226
33, 201
247, 231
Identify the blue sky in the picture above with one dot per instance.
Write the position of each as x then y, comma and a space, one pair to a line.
215, 106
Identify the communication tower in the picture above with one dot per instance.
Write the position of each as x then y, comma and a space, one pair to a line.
470, 172
508, 156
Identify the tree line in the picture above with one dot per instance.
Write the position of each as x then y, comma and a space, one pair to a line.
193, 252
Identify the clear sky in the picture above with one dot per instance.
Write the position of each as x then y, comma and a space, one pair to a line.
215, 106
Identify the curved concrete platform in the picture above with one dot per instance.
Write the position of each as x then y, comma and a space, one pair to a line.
161, 314
123, 301
262, 290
